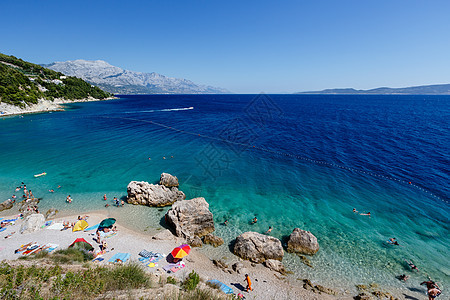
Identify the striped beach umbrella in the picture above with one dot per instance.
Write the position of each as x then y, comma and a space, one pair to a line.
181, 251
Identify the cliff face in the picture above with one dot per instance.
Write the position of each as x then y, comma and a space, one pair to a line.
118, 80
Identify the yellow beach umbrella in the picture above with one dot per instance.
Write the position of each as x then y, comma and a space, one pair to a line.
80, 225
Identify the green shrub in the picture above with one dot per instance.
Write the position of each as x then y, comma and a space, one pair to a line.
70, 255
191, 281
127, 276
171, 280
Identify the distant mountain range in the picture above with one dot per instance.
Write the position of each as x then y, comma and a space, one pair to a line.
437, 89
120, 81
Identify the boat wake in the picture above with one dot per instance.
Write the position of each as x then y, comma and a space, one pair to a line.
158, 110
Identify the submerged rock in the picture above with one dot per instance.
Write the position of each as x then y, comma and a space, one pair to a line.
32, 223
212, 240
190, 218
23, 206
50, 213
301, 241
275, 265
168, 180
6, 205
194, 241
258, 247
144, 193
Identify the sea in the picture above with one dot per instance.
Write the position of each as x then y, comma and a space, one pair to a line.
293, 161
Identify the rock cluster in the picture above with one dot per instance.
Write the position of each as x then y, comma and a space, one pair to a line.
6, 205
275, 265
144, 193
190, 218
168, 180
301, 241
213, 240
258, 247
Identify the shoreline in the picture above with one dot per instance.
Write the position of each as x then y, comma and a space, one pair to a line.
269, 284
43, 106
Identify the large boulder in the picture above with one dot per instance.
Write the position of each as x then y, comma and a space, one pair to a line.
144, 193
258, 247
190, 218
301, 241
32, 223
168, 180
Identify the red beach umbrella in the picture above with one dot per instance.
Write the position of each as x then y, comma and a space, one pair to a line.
181, 251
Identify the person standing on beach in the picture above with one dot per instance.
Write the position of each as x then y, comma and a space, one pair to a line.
249, 283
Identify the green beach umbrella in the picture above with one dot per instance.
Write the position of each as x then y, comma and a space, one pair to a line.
107, 222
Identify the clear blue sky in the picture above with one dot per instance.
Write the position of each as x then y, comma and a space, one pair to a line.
244, 46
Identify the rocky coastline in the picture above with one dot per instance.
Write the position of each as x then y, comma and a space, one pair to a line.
191, 221
42, 106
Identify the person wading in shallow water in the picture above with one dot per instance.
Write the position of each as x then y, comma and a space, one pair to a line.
433, 289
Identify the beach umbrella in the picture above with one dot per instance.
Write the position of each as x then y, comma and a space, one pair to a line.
80, 225
107, 222
181, 251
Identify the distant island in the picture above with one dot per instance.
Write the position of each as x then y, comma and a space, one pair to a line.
120, 81
436, 89
26, 87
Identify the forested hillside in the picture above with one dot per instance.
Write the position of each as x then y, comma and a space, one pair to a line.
24, 83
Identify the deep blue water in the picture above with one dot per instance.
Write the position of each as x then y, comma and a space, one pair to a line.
292, 160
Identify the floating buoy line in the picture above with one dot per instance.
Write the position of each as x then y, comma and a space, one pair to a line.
319, 162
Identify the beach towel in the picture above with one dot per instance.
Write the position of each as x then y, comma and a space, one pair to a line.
51, 247
110, 234
56, 226
156, 257
177, 268
92, 227
223, 287
46, 224
120, 257
30, 249
98, 259
145, 253
169, 267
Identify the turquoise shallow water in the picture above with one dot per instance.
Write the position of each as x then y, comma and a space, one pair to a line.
98, 148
